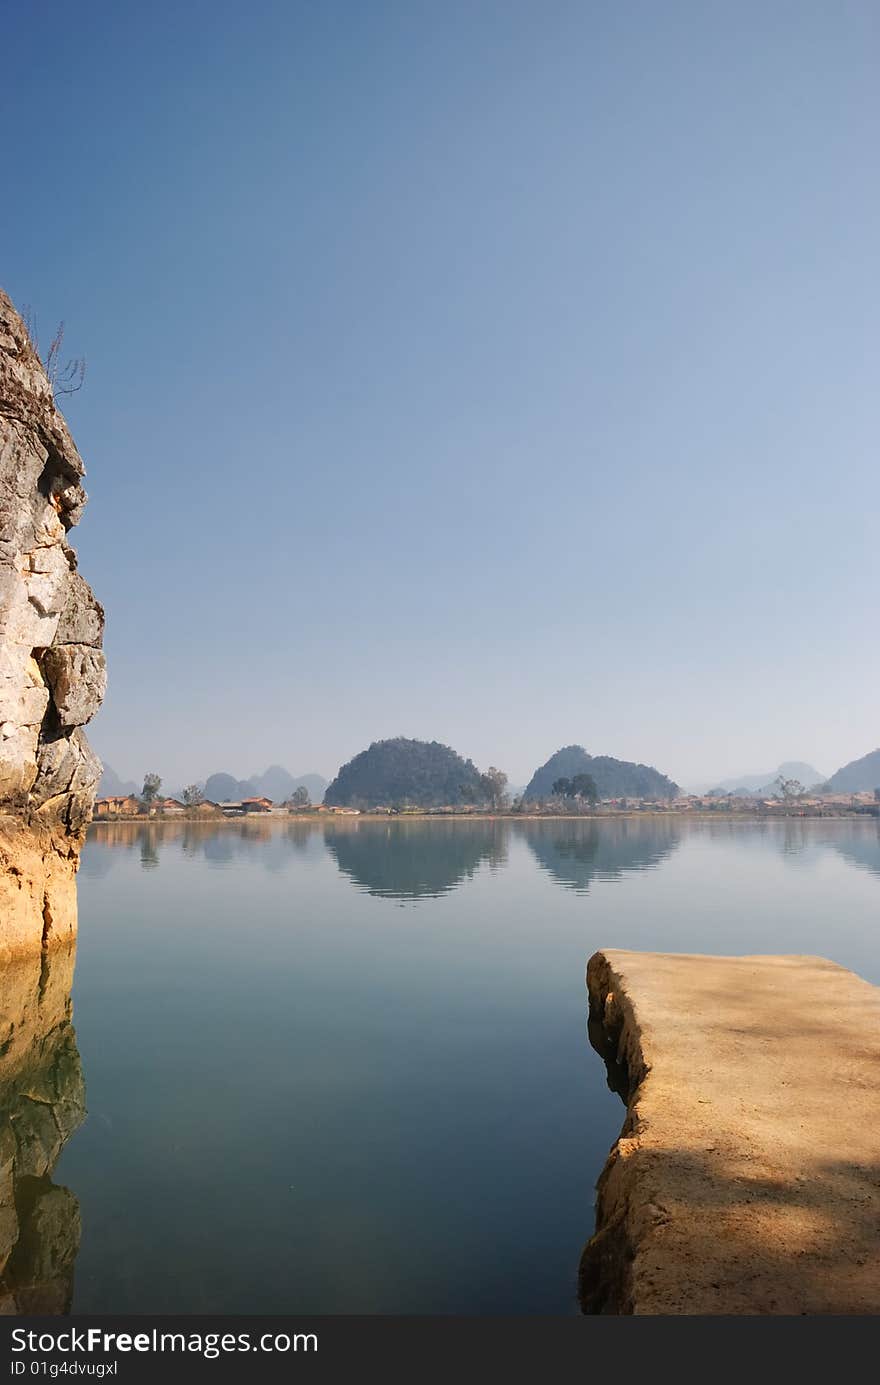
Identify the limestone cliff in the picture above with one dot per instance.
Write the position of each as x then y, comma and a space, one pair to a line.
52, 670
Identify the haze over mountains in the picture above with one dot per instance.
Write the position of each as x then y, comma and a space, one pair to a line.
761, 785
859, 776
111, 786
276, 783
400, 757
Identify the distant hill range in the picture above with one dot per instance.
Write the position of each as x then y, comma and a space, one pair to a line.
276, 783
859, 776
111, 786
614, 778
402, 772
762, 785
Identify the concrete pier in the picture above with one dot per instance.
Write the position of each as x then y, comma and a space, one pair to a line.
747, 1175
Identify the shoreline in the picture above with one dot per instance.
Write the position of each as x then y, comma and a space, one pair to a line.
368, 815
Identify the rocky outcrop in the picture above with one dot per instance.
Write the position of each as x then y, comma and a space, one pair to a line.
52, 668
746, 1178
42, 1102
613, 778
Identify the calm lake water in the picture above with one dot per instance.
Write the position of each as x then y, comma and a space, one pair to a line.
344, 1069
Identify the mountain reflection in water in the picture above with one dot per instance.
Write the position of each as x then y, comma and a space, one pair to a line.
408, 860
860, 848
341, 1066
400, 860
577, 853
42, 1102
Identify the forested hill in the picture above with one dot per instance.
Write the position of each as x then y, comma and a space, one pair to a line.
858, 776
614, 778
420, 774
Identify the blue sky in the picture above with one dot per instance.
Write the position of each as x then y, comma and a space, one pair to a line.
504, 373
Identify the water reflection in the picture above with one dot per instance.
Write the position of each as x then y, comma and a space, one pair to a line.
861, 847
856, 839
576, 853
451, 1048
408, 860
403, 860
267, 842
42, 1102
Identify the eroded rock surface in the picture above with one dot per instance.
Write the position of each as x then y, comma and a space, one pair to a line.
52, 669
747, 1175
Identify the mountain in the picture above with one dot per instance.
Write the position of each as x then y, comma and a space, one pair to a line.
276, 783
420, 774
614, 778
762, 785
111, 786
858, 776
315, 783
224, 788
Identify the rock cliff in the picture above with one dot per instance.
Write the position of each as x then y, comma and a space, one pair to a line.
52, 669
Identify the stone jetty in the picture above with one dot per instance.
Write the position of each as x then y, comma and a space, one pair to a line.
746, 1178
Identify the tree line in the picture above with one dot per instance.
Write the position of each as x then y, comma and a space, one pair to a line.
193, 794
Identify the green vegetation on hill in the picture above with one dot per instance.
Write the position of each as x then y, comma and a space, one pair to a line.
613, 778
402, 772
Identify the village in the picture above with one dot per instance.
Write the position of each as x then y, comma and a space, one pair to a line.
130, 807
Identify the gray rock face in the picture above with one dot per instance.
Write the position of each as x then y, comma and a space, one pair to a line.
82, 620
52, 671
76, 676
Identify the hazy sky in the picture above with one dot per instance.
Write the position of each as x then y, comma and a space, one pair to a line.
501, 373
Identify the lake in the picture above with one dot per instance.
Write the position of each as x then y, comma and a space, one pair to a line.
344, 1068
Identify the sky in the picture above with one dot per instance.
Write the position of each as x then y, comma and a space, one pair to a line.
497, 373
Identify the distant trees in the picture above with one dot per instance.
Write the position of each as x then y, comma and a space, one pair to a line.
300, 797
584, 786
150, 791
193, 796
789, 790
494, 783
581, 786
